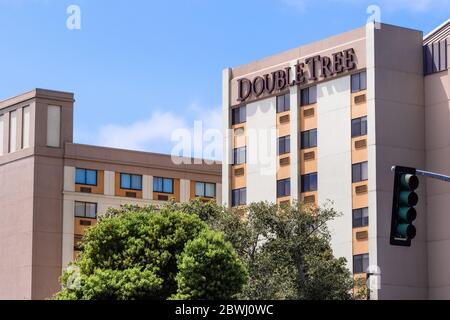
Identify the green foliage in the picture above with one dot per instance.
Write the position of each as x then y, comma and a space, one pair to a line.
286, 250
136, 253
201, 274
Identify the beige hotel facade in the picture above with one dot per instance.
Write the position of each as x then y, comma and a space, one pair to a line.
51, 189
327, 121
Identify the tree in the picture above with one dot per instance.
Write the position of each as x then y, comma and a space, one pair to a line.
201, 269
141, 253
286, 249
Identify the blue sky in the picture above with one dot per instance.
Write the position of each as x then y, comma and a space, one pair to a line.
143, 68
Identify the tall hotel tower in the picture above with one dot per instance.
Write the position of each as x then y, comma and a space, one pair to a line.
327, 121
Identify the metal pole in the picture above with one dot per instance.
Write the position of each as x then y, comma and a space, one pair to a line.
429, 174
433, 175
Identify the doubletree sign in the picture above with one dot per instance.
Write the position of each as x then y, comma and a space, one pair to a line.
304, 72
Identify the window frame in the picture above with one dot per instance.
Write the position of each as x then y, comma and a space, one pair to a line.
240, 192
241, 113
204, 189
131, 181
361, 221
361, 84
85, 177
306, 92
360, 171
360, 258
284, 188
286, 101
358, 122
84, 203
303, 181
309, 145
286, 143
236, 152
163, 184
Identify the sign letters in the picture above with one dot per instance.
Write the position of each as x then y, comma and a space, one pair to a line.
313, 69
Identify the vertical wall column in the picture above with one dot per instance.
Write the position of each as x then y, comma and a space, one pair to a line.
109, 183
185, 190
262, 155
68, 218
371, 145
334, 160
227, 142
147, 187
2, 134
219, 193
294, 138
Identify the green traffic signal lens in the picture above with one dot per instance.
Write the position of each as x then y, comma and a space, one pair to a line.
407, 214
406, 231
408, 198
409, 181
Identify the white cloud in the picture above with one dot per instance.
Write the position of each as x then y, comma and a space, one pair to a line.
154, 133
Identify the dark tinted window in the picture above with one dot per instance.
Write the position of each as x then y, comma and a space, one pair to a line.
309, 182
359, 127
284, 145
163, 185
85, 210
283, 103
238, 197
239, 155
238, 115
85, 176
309, 139
283, 188
360, 263
360, 172
359, 81
130, 181
360, 217
308, 96
203, 189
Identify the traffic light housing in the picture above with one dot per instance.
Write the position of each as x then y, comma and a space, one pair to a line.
403, 203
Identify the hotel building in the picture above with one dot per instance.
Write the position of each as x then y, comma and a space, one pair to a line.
327, 121
52, 189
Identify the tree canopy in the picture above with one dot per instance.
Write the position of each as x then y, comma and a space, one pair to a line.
141, 253
199, 250
286, 249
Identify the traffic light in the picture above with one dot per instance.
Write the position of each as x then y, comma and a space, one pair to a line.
403, 211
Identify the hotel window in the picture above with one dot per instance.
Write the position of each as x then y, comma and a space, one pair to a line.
283, 103
130, 181
238, 115
25, 127
308, 96
85, 210
360, 263
309, 182
238, 197
360, 217
12, 131
2, 127
205, 190
239, 155
360, 172
309, 139
283, 188
359, 82
359, 127
86, 177
284, 145
162, 185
